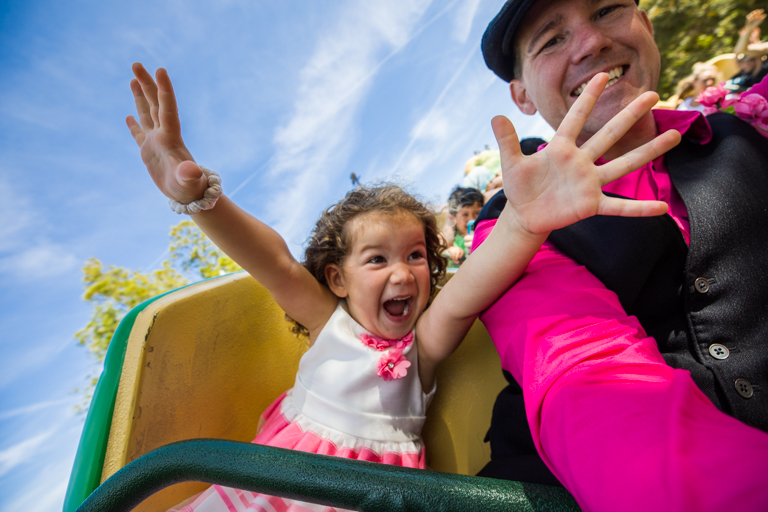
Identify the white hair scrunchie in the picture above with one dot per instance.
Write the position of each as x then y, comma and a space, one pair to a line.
208, 200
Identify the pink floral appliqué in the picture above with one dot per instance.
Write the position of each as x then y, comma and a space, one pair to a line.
752, 108
393, 365
375, 342
380, 344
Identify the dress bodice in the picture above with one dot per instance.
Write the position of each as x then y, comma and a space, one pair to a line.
339, 385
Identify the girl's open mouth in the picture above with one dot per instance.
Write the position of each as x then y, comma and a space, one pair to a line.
399, 307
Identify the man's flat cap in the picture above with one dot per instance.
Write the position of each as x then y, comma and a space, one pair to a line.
499, 39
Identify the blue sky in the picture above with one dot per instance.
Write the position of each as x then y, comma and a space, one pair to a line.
284, 98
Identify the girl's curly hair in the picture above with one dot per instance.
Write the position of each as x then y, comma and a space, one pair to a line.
329, 242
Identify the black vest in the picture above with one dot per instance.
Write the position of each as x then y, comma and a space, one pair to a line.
706, 305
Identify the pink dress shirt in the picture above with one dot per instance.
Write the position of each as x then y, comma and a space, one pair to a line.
617, 426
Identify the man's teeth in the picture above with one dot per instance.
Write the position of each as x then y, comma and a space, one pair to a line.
613, 76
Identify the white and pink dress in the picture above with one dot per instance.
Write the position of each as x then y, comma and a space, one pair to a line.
356, 396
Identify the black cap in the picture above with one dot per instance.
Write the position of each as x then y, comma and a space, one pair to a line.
499, 39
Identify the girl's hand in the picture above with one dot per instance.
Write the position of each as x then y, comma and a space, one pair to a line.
168, 161
560, 184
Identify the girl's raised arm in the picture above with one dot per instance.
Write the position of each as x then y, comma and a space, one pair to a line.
252, 244
551, 189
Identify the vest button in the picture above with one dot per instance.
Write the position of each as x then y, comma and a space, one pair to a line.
744, 388
719, 351
701, 284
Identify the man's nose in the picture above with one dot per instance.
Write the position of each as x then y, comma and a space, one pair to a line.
589, 41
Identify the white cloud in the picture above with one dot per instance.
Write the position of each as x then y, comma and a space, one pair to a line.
17, 217
21, 452
29, 409
462, 21
37, 355
41, 261
314, 144
439, 125
25, 253
43, 493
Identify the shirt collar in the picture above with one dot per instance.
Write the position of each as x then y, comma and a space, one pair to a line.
690, 123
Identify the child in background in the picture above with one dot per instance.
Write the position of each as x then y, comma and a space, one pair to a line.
373, 261
464, 205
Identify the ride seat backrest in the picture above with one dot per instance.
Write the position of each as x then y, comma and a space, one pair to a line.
206, 360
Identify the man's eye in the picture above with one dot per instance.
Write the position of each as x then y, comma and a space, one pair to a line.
605, 11
550, 43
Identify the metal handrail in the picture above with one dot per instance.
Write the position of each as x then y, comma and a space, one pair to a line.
331, 481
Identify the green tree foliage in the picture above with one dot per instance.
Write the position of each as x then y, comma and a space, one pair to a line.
113, 291
690, 31
194, 252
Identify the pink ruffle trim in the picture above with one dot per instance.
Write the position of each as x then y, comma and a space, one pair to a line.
279, 432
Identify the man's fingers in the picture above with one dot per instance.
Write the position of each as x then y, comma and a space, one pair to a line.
617, 127
509, 144
136, 131
630, 208
168, 110
636, 158
577, 116
142, 105
149, 88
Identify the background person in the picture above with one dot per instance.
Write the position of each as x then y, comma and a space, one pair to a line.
464, 205
703, 76
750, 54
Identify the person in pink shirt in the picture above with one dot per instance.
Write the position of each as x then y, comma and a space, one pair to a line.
637, 348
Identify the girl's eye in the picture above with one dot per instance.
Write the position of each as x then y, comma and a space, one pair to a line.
377, 259
416, 255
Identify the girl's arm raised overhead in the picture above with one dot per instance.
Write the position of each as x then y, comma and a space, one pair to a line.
551, 189
247, 240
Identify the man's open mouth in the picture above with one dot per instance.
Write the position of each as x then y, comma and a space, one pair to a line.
614, 76
400, 306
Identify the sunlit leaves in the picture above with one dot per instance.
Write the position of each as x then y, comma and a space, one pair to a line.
690, 31
114, 291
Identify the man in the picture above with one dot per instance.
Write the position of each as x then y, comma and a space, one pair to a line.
584, 330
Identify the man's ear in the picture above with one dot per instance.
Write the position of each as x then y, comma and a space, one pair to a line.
521, 97
646, 20
335, 280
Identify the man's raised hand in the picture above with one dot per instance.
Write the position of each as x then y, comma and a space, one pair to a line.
158, 134
561, 185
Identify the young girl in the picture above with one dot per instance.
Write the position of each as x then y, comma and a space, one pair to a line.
364, 385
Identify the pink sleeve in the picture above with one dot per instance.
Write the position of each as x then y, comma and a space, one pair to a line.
617, 426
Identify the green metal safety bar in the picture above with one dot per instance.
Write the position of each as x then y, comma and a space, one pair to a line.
331, 481
86, 470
